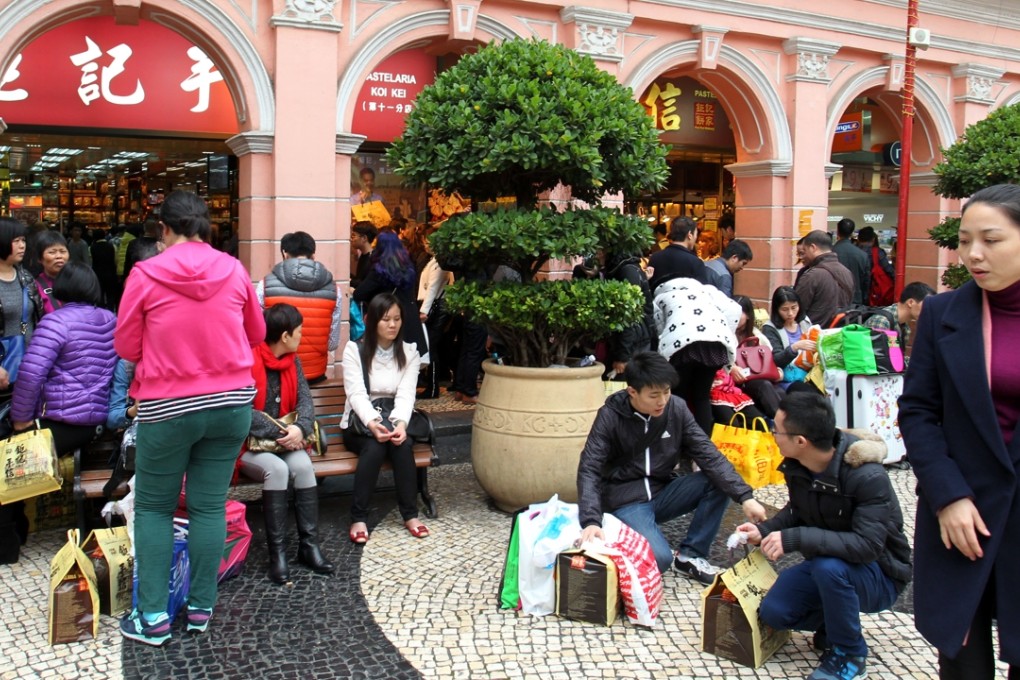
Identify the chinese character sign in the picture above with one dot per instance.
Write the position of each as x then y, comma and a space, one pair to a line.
95, 73
687, 112
389, 92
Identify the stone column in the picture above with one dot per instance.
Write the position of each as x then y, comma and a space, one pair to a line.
304, 156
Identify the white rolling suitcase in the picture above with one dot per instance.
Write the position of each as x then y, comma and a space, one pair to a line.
868, 402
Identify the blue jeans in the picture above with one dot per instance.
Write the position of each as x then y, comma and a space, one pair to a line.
829, 591
682, 495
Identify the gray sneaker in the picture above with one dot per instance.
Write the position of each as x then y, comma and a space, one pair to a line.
697, 568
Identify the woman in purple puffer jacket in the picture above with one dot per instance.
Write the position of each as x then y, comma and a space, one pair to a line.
66, 374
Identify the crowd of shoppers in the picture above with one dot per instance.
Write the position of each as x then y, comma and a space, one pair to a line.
200, 396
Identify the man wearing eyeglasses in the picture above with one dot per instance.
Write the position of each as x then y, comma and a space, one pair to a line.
845, 519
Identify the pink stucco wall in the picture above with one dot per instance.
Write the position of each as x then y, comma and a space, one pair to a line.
784, 71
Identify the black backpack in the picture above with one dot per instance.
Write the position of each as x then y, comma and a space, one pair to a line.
859, 314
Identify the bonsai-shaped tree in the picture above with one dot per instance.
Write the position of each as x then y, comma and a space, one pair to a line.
517, 119
988, 153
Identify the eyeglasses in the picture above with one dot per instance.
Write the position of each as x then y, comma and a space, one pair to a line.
789, 434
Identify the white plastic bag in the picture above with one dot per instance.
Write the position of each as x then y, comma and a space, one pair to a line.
546, 530
125, 507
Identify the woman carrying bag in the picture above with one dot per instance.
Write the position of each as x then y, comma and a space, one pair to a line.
381, 366
281, 389
20, 309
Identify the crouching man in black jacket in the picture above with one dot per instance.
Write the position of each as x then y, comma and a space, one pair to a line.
628, 468
845, 519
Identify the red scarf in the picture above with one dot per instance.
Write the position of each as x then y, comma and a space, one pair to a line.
264, 358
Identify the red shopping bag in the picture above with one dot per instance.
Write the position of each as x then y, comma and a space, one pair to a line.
235, 548
640, 581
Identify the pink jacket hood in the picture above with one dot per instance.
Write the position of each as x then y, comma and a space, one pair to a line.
189, 318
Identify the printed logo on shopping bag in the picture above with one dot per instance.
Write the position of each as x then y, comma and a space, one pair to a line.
578, 562
730, 627
109, 550
30, 466
74, 595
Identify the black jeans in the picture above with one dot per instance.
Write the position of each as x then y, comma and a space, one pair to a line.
371, 456
976, 660
694, 388
472, 353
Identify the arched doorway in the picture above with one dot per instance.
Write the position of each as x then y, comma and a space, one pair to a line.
106, 119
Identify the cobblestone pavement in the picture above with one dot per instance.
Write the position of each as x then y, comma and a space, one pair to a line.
406, 608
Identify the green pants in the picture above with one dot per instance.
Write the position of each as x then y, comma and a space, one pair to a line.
205, 445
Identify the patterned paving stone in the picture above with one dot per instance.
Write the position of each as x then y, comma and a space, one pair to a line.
447, 616
407, 608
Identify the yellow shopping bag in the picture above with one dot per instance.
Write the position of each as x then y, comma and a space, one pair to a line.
753, 452
29, 464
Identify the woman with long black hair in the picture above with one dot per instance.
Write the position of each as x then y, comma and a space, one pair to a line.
382, 366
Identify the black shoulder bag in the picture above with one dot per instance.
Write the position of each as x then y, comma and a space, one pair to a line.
419, 428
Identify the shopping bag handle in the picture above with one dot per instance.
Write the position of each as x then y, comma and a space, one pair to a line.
738, 413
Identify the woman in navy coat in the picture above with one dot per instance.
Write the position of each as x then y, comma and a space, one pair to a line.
959, 415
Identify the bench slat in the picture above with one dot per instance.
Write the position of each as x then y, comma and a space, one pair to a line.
329, 400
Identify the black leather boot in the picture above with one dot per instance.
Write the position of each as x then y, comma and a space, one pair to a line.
274, 507
306, 507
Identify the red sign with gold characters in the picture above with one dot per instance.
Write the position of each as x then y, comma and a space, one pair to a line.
94, 73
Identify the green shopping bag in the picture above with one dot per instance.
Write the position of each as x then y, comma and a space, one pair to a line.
830, 348
858, 352
509, 594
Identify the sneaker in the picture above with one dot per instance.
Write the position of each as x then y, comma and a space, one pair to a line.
697, 568
198, 619
836, 665
136, 626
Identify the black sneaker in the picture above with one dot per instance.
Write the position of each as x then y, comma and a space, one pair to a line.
697, 568
837, 665
153, 632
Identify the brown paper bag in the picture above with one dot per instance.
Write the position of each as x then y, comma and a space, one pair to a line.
109, 550
30, 466
587, 587
74, 595
729, 613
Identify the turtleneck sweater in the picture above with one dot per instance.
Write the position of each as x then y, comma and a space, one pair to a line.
1004, 307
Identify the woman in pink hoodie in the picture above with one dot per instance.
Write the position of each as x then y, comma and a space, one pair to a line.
188, 319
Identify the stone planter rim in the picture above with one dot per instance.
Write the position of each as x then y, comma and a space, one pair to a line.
529, 373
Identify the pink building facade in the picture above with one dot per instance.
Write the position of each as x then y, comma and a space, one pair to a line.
785, 74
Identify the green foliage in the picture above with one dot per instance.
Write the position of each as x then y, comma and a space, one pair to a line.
518, 118
526, 239
955, 276
541, 321
947, 233
988, 153
521, 116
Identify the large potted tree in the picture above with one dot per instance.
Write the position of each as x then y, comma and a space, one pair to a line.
517, 119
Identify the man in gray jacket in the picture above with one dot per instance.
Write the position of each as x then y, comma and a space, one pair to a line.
824, 285
628, 466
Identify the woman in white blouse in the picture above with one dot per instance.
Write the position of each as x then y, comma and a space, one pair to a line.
392, 374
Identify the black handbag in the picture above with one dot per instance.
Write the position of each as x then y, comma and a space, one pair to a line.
419, 428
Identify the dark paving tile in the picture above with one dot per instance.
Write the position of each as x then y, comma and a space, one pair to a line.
319, 628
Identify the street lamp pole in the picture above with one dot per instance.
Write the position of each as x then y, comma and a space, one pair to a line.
909, 64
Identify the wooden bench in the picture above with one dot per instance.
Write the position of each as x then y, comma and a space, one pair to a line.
92, 468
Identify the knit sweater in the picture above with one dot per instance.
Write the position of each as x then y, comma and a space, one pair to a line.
1004, 306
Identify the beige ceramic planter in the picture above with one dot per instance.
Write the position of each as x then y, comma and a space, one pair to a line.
530, 425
